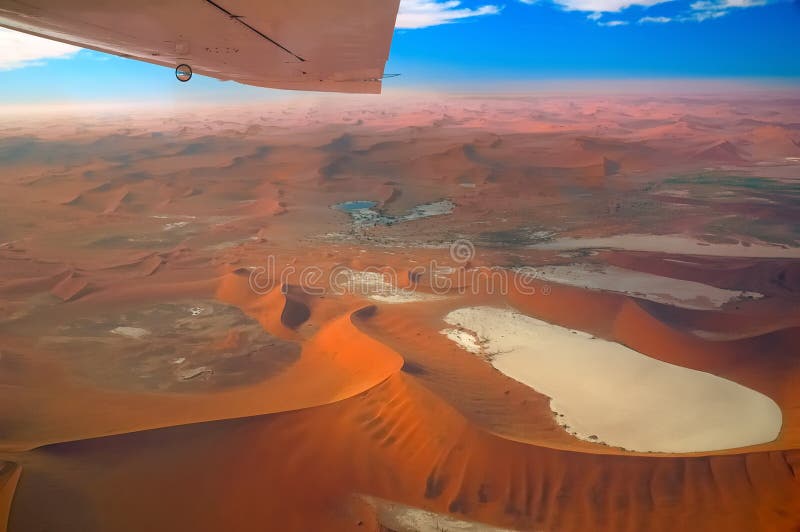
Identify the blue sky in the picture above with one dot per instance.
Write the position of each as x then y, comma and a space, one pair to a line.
449, 44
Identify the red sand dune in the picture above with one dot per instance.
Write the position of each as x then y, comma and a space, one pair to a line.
722, 151
71, 287
325, 456
165, 218
9, 476
337, 361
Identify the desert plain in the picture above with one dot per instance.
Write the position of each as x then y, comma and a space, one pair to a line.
417, 312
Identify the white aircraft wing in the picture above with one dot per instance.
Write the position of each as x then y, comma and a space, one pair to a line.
318, 45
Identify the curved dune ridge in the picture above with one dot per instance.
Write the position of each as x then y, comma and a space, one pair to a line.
605, 392
336, 361
398, 442
9, 476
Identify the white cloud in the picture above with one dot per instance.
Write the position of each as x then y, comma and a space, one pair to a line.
425, 13
700, 16
698, 11
20, 50
655, 20
605, 6
711, 9
721, 5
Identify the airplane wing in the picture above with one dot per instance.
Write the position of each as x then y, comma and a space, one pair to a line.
317, 45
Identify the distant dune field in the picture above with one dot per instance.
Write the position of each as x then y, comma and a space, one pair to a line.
424, 312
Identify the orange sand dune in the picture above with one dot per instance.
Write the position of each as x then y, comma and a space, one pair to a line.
136, 356
31, 284
399, 442
773, 141
145, 266
768, 276
71, 287
9, 477
337, 361
721, 151
776, 279
502, 405
119, 198
280, 310
483, 395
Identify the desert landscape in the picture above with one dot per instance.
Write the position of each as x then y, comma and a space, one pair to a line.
413, 312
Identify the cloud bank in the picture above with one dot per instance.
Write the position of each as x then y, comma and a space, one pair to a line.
696, 11
415, 14
20, 50
604, 6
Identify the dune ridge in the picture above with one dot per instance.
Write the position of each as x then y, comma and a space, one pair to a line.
135, 353
9, 477
449, 467
336, 362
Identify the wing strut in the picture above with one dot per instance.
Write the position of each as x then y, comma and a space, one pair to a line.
238, 19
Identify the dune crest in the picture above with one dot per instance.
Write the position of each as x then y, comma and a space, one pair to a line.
9, 476
449, 468
146, 341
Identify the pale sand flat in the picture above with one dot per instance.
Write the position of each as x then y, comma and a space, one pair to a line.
402, 518
130, 332
400, 295
605, 392
678, 244
676, 292
466, 339
377, 287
